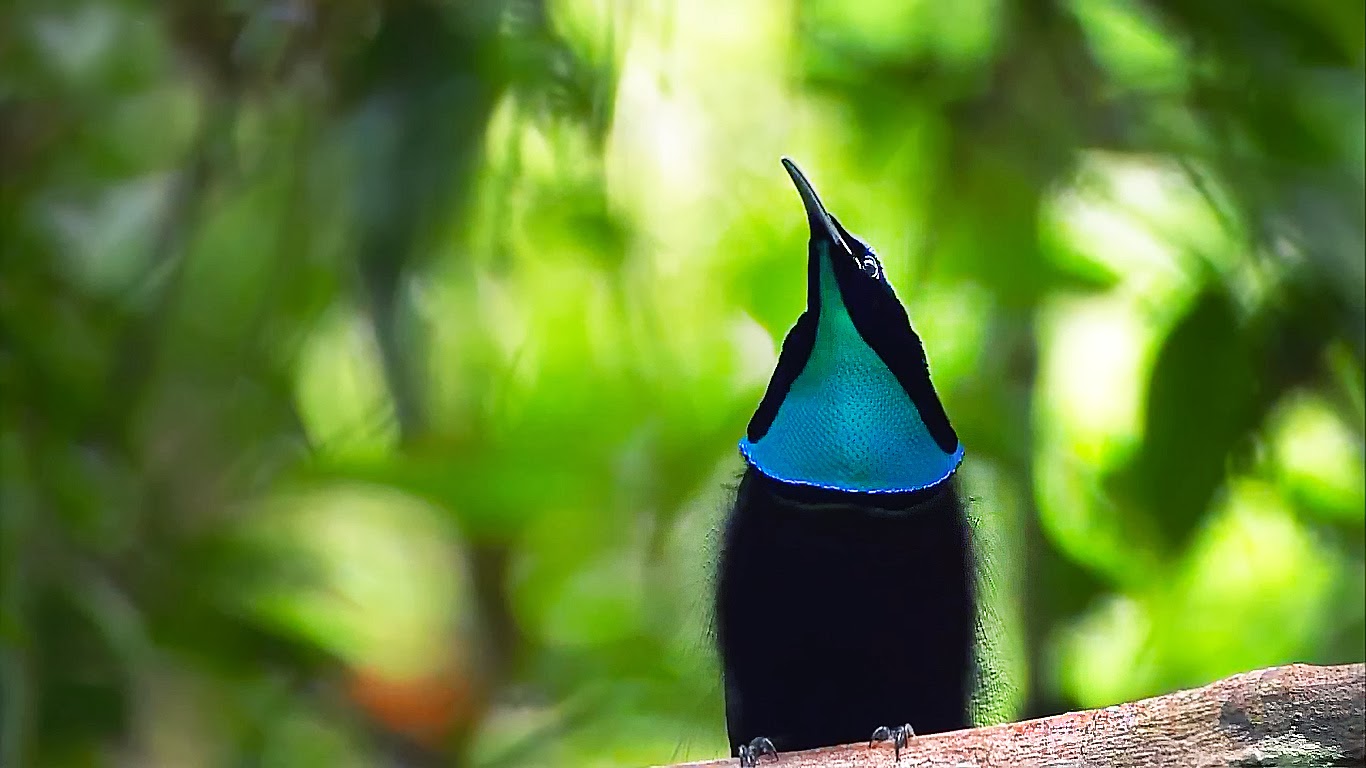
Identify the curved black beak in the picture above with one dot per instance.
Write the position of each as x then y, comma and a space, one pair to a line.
816, 215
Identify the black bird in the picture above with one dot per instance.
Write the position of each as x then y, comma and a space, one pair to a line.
845, 600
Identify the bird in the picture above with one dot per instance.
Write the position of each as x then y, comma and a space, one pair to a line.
845, 597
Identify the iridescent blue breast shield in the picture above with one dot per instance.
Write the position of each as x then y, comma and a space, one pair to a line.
850, 406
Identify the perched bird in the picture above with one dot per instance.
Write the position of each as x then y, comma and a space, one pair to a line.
845, 604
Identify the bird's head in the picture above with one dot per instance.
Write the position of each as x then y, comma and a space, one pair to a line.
850, 406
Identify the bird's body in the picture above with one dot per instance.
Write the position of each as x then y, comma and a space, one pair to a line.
845, 594
836, 618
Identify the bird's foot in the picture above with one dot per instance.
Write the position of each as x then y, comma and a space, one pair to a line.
897, 735
755, 749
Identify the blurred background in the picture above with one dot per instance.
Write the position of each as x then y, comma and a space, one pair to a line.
371, 371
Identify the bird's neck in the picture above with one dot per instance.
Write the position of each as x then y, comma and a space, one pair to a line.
846, 422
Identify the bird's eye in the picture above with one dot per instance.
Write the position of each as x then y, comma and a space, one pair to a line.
870, 266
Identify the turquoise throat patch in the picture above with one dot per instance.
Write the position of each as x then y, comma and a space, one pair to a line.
846, 423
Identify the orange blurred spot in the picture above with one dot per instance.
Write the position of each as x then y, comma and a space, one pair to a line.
423, 708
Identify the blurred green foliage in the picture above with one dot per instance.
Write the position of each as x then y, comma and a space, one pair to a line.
370, 372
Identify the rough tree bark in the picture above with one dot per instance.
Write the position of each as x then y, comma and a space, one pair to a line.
1297, 715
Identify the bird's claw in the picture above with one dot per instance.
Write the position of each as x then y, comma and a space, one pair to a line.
755, 749
897, 735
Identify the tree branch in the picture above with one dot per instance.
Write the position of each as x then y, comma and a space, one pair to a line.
1298, 715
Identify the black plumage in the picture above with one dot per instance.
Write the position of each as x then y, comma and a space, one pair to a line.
837, 616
